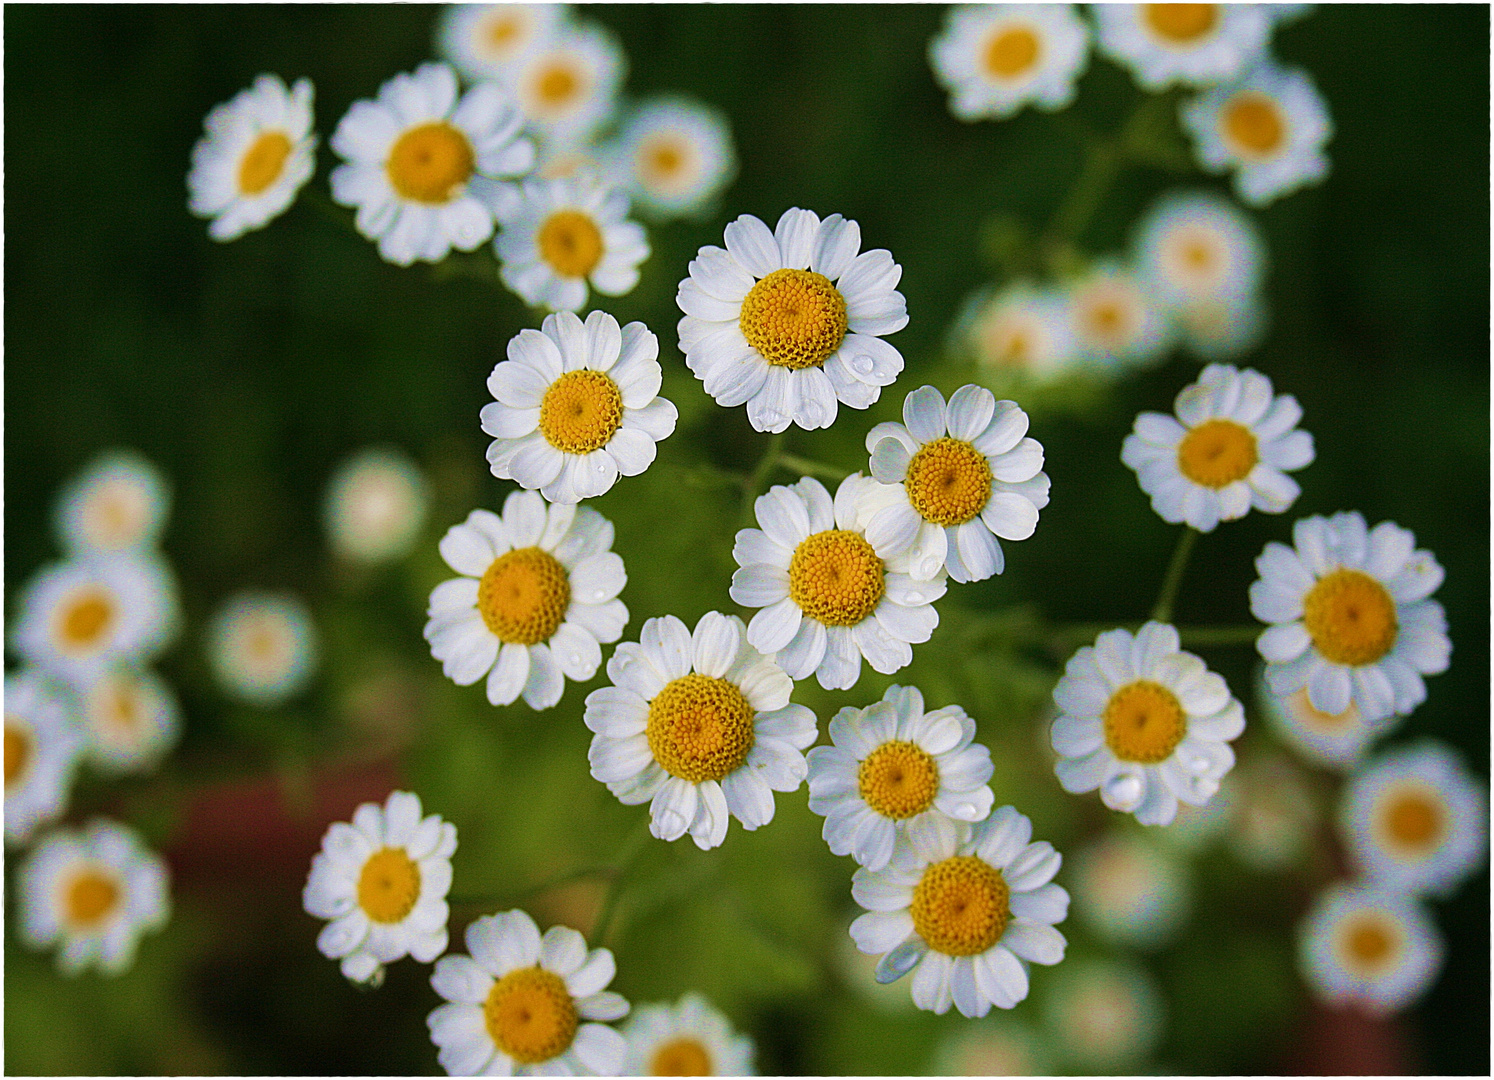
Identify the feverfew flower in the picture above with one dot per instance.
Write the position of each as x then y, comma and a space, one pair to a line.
376, 504
263, 646
1229, 449
1116, 319
536, 604
687, 1039
382, 881
567, 84
1193, 44
676, 156
1130, 891
131, 718
1022, 332
578, 405
1104, 1015
42, 741
521, 1004
257, 152
1351, 614
119, 502
995, 58
1222, 328
485, 41
699, 726
966, 911
791, 322
1145, 722
1196, 247
1369, 946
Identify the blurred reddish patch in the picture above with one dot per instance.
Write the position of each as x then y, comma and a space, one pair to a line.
1346, 1042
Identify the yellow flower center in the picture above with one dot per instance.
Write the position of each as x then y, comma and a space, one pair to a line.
262, 163
836, 578
389, 885
1324, 721
502, 30
700, 728
556, 86
1350, 617
114, 518
1367, 943
948, 481
1012, 52
1253, 124
1412, 819
1217, 453
84, 619
960, 906
1144, 722
570, 242
429, 163
681, 1057
1107, 322
523, 596
665, 162
530, 1015
91, 896
121, 705
794, 318
898, 779
581, 412
17, 751
1181, 24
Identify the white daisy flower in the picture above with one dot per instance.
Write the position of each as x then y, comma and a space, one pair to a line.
1022, 332
966, 911
257, 152
119, 502
1415, 820
1274, 815
42, 743
382, 881
1197, 247
578, 405
1193, 44
1130, 892
94, 892
263, 646
1270, 127
536, 602
995, 58
676, 155
953, 483
525, 1005
485, 41
1229, 449
567, 84
1369, 946
1145, 722
425, 170
376, 505
564, 234
687, 1039
1336, 740
131, 718
1103, 1015
828, 596
1351, 614
895, 770
698, 726
791, 322
1116, 319
1222, 328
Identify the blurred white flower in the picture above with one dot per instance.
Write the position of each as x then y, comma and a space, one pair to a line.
1105, 1016
1369, 946
263, 646
675, 155
567, 83
376, 504
995, 58
1115, 318
486, 41
1129, 891
1023, 332
131, 718
42, 743
118, 502
688, 1039
1274, 813
1197, 247
1193, 44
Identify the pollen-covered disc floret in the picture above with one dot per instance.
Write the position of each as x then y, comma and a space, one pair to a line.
263, 646
676, 157
119, 502
995, 58
131, 719
790, 322
1145, 722
829, 594
521, 1004
966, 909
699, 726
536, 602
1192, 44
1353, 622
1369, 946
952, 482
690, 1038
894, 770
577, 406
1229, 448
382, 881
42, 743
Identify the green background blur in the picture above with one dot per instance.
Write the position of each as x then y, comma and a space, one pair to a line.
247, 371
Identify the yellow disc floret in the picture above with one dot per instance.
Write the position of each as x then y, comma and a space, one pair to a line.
948, 481
570, 242
523, 596
794, 318
1217, 453
556, 87
681, 1057
1412, 819
85, 618
581, 412
960, 906
530, 1015
666, 161
1144, 722
429, 163
17, 750
898, 779
836, 578
262, 163
389, 885
90, 897
700, 728
1367, 943
1252, 123
1181, 24
1350, 617
1012, 52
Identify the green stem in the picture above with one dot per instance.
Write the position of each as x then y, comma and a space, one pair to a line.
1102, 163
812, 468
1163, 611
754, 485
631, 849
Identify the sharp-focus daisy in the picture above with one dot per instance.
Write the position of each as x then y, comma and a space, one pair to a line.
95, 892
1270, 127
676, 155
1103, 1015
791, 321
257, 152
42, 741
561, 235
567, 84
524, 1005
425, 170
1352, 622
1145, 723
1115, 318
1193, 44
1129, 891
1196, 246
382, 881
1337, 740
537, 601
131, 718
1229, 449
578, 405
969, 909
1415, 820
699, 726
1222, 328
895, 770
118, 502
1369, 946
1022, 332
995, 58
485, 41
263, 646
828, 596
688, 1039
953, 482
376, 504
1274, 815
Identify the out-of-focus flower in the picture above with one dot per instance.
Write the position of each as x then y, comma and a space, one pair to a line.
382, 881
1337, 740
791, 321
1222, 328
42, 742
577, 406
376, 504
257, 152
1115, 319
1274, 813
263, 646
131, 719
1021, 332
687, 1039
119, 502
1196, 827
995, 58
1193, 44
994, 1047
1196, 247
485, 41
698, 726
675, 156
1369, 946
567, 84
1103, 1016
1129, 891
